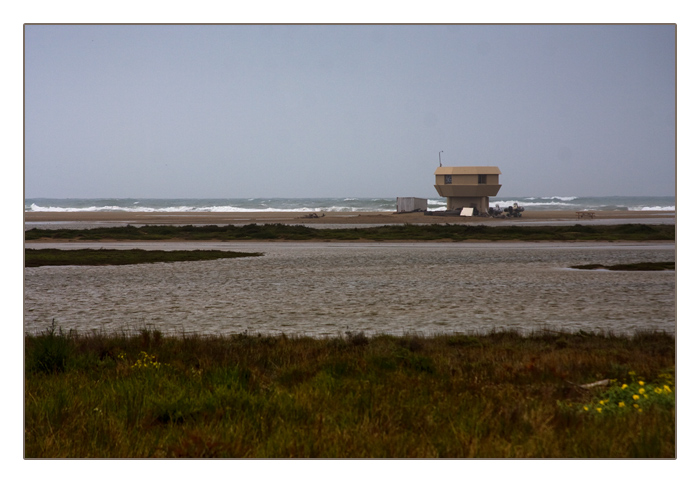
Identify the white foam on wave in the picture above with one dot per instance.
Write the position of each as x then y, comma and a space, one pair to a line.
202, 209
351, 209
437, 205
561, 198
331, 205
652, 208
59, 209
528, 203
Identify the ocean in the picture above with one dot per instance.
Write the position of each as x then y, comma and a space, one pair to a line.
189, 205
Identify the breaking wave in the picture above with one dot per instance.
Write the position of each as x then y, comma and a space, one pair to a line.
347, 204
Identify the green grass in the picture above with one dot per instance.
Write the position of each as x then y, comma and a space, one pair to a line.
461, 232
49, 256
498, 395
634, 267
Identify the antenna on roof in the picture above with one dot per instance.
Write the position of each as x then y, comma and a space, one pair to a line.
440, 157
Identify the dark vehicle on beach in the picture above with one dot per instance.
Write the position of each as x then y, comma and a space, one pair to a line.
514, 211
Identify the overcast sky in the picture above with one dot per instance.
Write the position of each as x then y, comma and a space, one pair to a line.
334, 111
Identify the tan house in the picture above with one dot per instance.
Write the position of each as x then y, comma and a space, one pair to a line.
467, 186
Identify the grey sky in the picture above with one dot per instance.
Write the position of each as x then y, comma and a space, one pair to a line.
334, 111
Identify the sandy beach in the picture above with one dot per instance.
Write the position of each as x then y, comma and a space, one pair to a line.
337, 218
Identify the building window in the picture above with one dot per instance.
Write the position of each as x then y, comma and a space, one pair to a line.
482, 179
448, 179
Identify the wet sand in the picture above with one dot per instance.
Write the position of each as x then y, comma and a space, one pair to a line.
337, 218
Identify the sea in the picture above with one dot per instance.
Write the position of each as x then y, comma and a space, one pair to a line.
348, 204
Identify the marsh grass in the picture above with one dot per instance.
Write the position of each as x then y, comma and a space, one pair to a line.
633, 267
498, 395
458, 232
53, 257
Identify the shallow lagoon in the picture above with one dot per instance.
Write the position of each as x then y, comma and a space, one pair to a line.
326, 289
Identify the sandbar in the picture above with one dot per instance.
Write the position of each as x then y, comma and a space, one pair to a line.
335, 218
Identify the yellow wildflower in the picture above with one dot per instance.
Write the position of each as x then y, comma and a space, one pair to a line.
658, 390
599, 409
585, 408
624, 386
635, 397
641, 390
667, 389
641, 383
636, 405
621, 404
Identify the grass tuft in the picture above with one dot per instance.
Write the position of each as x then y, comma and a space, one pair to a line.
49, 351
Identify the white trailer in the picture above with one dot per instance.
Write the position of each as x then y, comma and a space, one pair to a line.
406, 204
